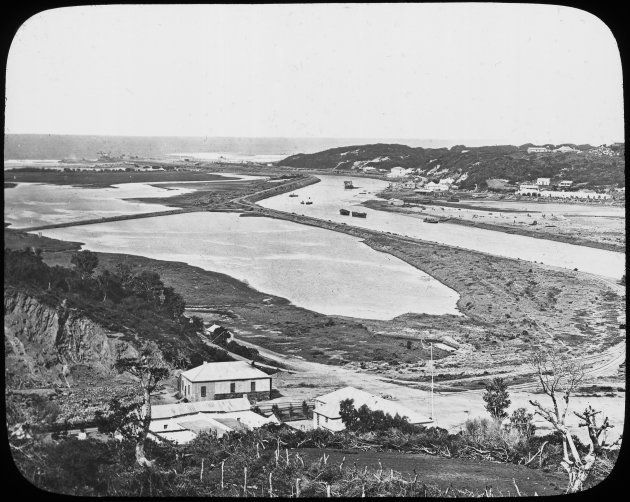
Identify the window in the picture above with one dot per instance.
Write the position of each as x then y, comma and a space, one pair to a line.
203, 391
232, 388
253, 387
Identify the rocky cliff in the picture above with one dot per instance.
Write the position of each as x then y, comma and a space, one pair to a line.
48, 346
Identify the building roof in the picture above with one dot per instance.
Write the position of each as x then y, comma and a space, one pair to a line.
162, 411
231, 370
330, 407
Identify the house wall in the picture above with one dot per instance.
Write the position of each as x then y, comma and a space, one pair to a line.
322, 422
223, 390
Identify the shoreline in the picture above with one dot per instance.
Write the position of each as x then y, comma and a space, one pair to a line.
577, 241
486, 299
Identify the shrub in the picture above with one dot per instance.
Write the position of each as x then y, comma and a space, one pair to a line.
496, 398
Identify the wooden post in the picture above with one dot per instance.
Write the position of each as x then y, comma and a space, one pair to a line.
287, 452
270, 486
201, 473
222, 474
362, 491
341, 464
244, 480
327, 490
257, 452
297, 487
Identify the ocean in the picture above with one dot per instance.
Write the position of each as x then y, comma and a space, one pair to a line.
56, 147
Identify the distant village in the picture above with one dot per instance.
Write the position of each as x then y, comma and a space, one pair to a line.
425, 182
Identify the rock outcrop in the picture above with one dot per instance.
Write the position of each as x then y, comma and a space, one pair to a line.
44, 344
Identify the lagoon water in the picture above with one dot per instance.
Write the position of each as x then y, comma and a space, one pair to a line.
324, 271
329, 196
35, 204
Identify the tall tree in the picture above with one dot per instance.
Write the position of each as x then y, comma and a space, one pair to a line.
497, 398
85, 262
150, 368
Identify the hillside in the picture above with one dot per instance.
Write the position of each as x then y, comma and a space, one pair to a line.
471, 166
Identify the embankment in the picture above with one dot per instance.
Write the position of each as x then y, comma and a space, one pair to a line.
567, 239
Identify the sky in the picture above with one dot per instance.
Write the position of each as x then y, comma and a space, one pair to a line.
504, 73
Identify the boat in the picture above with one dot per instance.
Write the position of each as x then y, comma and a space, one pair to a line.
293, 195
309, 202
302, 202
357, 214
344, 212
348, 184
453, 199
431, 219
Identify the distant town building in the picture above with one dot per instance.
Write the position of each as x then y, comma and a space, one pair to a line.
537, 149
543, 182
326, 412
565, 184
181, 422
528, 189
224, 380
566, 149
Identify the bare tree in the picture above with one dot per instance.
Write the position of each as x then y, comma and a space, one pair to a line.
559, 376
588, 419
150, 368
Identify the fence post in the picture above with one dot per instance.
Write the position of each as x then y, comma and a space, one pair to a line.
297, 487
201, 473
270, 486
222, 474
244, 480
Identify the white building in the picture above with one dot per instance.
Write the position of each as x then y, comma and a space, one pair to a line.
537, 149
565, 149
543, 182
181, 422
326, 412
528, 189
565, 184
224, 380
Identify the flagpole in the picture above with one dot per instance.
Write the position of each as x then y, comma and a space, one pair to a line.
432, 410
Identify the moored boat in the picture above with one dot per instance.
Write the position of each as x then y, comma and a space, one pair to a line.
344, 212
348, 184
431, 219
309, 202
293, 195
357, 214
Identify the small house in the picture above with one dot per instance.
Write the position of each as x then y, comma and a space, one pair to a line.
565, 184
326, 412
543, 182
224, 380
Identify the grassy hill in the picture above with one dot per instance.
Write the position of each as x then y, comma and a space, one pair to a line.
472, 166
